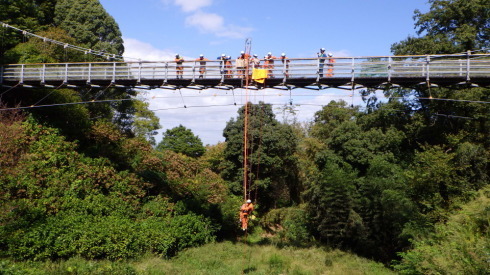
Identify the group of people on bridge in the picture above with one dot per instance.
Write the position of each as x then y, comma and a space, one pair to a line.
246, 62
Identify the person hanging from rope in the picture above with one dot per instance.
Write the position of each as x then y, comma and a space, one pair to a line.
245, 211
179, 66
330, 63
202, 65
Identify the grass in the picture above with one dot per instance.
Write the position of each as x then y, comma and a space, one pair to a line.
216, 258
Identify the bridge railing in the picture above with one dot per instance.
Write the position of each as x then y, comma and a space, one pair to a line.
353, 68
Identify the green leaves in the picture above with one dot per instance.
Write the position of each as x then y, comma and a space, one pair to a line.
271, 160
181, 140
449, 27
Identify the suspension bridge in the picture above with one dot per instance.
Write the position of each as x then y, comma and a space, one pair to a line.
311, 73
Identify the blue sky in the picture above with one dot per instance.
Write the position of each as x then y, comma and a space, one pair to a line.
158, 29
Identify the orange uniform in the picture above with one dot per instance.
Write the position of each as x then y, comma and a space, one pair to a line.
330, 63
242, 64
269, 64
202, 66
179, 66
245, 211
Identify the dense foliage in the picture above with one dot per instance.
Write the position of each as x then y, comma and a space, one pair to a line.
271, 161
181, 140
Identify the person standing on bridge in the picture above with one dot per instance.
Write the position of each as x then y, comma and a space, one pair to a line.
269, 63
285, 63
179, 67
321, 60
222, 59
228, 66
330, 63
242, 64
255, 61
202, 65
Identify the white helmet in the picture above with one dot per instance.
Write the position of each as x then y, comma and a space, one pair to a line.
283, 54
322, 49
201, 55
223, 54
249, 201
242, 52
269, 53
255, 55
330, 54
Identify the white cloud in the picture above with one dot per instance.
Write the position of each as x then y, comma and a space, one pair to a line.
215, 24
135, 49
206, 22
192, 5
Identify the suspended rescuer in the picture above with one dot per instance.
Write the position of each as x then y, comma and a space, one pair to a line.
245, 211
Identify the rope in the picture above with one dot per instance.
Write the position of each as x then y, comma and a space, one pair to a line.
65, 45
54, 90
248, 44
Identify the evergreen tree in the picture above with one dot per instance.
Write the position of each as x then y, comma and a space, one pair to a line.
271, 160
90, 24
181, 140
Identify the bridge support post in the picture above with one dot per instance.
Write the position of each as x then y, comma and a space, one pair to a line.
22, 74
389, 69
353, 70
468, 54
427, 64
113, 73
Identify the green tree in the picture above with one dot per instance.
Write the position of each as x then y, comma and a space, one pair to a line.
331, 202
31, 15
181, 140
90, 24
137, 120
451, 26
37, 51
271, 160
459, 246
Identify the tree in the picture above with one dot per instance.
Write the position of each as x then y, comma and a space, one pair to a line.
331, 201
36, 50
271, 146
450, 26
90, 24
31, 15
181, 140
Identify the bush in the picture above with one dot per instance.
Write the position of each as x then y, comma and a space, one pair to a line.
88, 229
289, 224
460, 246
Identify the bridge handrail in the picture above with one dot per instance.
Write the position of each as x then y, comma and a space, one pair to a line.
422, 66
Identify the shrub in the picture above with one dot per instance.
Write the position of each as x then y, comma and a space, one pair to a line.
290, 225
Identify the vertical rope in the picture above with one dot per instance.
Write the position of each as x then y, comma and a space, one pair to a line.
248, 44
